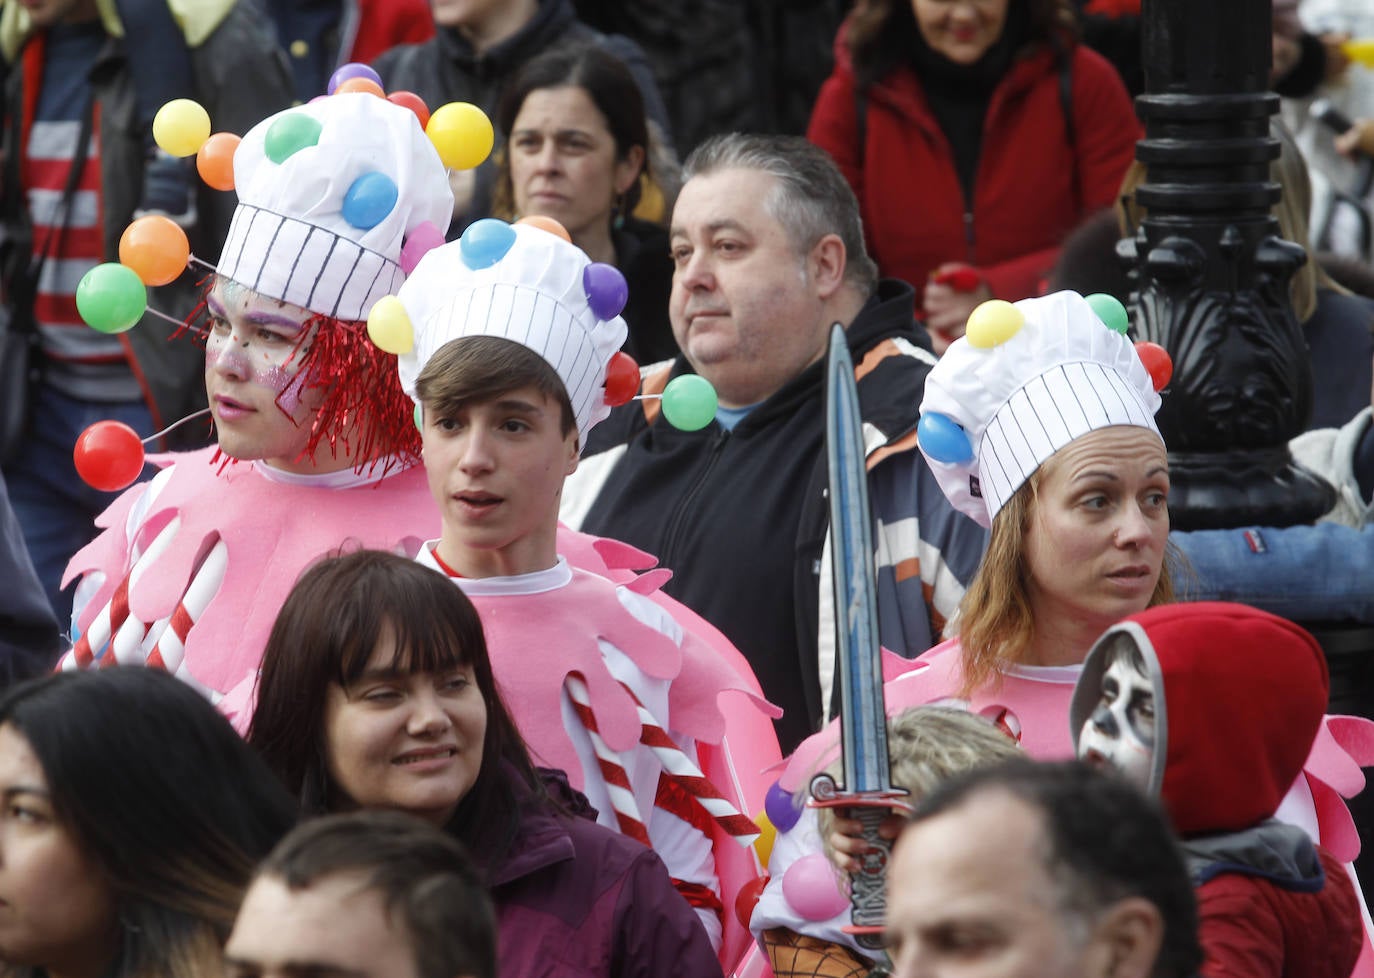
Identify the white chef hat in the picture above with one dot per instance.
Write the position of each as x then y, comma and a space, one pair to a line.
526, 284
328, 193
1027, 379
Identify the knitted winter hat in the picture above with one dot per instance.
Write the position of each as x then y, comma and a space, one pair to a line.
328, 193
1239, 696
1026, 380
526, 284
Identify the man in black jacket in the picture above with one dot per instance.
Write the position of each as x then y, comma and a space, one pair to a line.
768, 253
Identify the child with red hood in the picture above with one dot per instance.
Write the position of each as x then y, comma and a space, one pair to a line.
1214, 708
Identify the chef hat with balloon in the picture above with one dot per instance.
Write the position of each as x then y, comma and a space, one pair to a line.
337, 201
328, 193
526, 282
1026, 379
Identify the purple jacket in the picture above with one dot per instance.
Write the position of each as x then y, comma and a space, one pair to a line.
577, 900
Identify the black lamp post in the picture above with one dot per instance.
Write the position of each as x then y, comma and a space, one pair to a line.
1212, 274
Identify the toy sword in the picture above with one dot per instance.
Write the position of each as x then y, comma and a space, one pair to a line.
867, 793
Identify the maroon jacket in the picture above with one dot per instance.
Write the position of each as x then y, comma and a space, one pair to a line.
577, 900
1285, 912
1032, 187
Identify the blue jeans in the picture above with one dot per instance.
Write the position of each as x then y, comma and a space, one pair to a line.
1305, 573
55, 508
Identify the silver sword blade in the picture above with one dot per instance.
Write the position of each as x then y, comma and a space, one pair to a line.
862, 716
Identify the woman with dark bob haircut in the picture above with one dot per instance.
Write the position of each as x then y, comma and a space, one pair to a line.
377, 692
133, 819
578, 148
976, 134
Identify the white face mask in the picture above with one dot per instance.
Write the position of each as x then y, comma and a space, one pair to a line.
1120, 733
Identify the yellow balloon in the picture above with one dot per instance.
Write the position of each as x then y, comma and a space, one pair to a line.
992, 323
181, 126
768, 834
462, 134
388, 326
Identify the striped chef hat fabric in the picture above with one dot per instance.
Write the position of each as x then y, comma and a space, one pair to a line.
328, 193
1027, 379
523, 283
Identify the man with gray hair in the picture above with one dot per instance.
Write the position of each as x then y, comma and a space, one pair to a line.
1034, 870
769, 253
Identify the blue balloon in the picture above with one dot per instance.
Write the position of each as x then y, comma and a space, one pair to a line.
783, 809
943, 440
369, 199
607, 291
486, 242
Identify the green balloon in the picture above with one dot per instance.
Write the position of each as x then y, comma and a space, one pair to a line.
689, 402
1110, 310
293, 131
111, 298
419, 415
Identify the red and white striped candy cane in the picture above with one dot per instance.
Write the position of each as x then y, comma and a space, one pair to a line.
114, 619
169, 652
613, 770
685, 772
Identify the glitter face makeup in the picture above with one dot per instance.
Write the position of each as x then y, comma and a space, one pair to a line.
259, 394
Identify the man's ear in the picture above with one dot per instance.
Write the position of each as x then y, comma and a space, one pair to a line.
826, 264
1125, 940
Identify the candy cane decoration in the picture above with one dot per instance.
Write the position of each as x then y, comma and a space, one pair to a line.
114, 620
686, 773
612, 767
169, 651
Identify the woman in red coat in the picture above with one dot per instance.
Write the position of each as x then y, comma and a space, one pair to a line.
976, 134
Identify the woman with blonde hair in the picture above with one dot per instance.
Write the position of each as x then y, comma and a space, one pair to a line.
1039, 424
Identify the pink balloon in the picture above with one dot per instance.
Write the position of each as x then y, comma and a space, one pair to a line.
424, 239
811, 887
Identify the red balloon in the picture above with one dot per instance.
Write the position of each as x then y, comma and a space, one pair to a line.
108, 456
748, 897
1157, 361
413, 102
622, 379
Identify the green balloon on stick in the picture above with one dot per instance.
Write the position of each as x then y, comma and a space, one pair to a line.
689, 402
111, 298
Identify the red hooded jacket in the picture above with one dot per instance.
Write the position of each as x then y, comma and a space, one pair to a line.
1239, 696
1032, 186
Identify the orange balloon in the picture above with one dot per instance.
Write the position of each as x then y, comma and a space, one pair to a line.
155, 248
215, 161
546, 224
360, 85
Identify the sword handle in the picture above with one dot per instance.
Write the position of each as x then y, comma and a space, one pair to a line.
868, 886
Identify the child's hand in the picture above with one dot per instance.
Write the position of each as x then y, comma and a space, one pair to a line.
847, 839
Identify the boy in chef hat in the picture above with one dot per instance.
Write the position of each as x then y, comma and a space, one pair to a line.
513, 336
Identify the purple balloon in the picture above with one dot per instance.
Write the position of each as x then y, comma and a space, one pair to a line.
353, 69
606, 290
783, 810
420, 242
